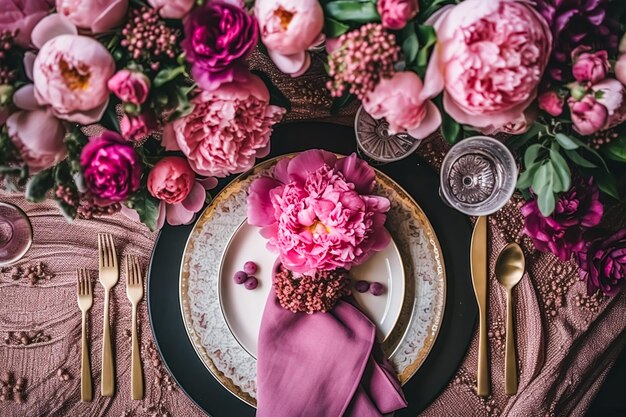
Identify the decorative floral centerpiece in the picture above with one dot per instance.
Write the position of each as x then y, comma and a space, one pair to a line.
171, 79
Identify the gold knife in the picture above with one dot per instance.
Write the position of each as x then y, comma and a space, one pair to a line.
478, 263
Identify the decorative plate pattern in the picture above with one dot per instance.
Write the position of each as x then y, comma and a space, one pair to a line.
407, 346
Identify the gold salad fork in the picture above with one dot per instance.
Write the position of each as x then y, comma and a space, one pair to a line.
134, 292
109, 274
85, 301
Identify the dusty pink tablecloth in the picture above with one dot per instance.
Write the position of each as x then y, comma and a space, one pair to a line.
566, 341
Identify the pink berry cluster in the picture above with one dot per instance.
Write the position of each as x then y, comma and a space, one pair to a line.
245, 277
6, 44
364, 57
310, 294
145, 36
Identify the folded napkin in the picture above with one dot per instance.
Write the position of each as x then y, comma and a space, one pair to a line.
322, 365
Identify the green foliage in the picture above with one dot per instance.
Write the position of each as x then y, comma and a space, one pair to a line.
333, 28
146, 206
168, 74
616, 149
357, 11
39, 184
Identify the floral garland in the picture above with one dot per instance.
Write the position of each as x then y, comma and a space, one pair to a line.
169, 82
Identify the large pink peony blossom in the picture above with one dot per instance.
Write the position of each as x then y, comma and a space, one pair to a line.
318, 211
22, 16
228, 128
96, 15
489, 59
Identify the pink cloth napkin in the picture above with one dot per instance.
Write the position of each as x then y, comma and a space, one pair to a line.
322, 364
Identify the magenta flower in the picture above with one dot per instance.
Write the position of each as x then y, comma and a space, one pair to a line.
218, 36
111, 168
562, 232
603, 264
319, 213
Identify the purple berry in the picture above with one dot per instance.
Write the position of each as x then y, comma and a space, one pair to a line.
362, 286
251, 283
240, 277
376, 288
250, 267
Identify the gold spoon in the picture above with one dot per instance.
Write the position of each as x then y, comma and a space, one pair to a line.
509, 271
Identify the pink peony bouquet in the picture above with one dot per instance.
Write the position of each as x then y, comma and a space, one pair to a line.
318, 212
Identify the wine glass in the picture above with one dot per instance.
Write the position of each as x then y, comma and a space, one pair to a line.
16, 234
376, 144
478, 176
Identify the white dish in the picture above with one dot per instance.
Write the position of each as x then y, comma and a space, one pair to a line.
243, 308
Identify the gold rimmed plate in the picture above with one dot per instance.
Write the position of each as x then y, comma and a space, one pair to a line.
410, 339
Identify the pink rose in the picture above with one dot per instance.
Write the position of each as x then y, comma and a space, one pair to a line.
552, 103
610, 93
22, 16
71, 73
173, 182
97, 15
398, 101
137, 128
588, 115
130, 86
591, 67
620, 69
489, 59
171, 179
396, 13
288, 30
172, 9
228, 128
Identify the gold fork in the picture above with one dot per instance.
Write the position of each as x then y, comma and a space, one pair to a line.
109, 274
85, 301
134, 291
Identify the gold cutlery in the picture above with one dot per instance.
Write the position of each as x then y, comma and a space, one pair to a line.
134, 291
478, 264
109, 274
85, 301
509, 271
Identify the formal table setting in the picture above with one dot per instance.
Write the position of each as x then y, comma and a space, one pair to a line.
311, 208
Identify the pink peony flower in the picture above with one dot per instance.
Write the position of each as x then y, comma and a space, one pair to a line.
397, 100
288, 30
71, 72
137, 128
489, 59
620, 69
396, 13
610, 93
552, 103
172, 9
319, 212
603, 264
590, 67
96, 15
111, 168
588, 115
218, 37
173, 182
562, 232
22, 16
130, 86
228, 128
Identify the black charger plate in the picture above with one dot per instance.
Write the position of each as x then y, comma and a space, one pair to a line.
453, 231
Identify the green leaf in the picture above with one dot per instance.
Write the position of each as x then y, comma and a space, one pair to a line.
427, 39
542, 178
531, 154
109, 119
561, 169
450, 129
410, 44
607, 184
39, 185
352, 11
166, 75
546, 202
147, 207
518, 141
576, 158
616, 150
334, 28
591, 151
525, 179
69, 212
566, 142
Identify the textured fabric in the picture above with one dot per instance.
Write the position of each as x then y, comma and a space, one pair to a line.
566, 341
321, 364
